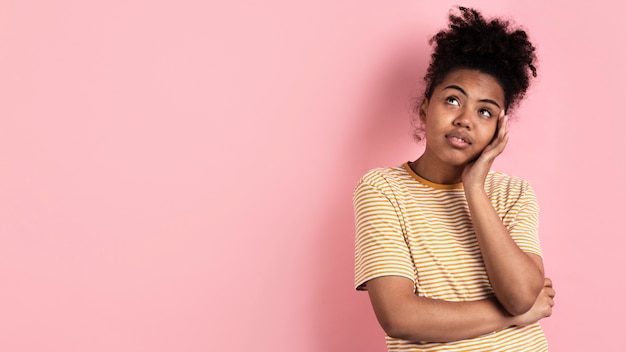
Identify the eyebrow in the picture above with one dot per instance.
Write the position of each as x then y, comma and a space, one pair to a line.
490, 101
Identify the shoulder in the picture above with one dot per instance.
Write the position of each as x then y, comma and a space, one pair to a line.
502, 184
389, 183
500, 179
384, 177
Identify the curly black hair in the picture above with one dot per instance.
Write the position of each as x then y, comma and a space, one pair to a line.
491, 47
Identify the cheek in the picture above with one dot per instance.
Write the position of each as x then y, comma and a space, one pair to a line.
491, 133
487, 134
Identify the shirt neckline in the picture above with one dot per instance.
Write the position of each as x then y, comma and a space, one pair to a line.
430, 183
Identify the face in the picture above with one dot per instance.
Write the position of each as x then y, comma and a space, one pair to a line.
460, 118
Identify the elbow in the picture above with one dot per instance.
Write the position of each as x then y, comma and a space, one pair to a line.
400, 330
398, 325
393, 327
520, 302
399, 334
518, 307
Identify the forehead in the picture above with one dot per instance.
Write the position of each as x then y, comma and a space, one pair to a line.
476, 84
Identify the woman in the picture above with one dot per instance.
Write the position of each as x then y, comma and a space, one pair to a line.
447, 249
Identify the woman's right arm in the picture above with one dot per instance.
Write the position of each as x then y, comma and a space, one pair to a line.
402, 314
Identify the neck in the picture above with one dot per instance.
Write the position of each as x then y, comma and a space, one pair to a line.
441, 174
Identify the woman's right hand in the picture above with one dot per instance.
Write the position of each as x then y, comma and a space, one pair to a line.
542, 307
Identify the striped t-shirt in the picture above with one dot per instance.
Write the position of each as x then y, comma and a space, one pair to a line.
408, 226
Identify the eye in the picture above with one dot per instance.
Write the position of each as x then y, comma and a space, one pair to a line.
453, 101
485, 112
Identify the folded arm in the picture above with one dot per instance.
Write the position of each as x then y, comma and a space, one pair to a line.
402, 314
516, 277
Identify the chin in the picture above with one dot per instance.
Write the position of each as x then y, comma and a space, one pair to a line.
461, 161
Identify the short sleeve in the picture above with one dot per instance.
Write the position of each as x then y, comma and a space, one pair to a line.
380, 246
524, 227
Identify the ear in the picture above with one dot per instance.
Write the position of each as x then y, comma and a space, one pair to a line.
423, 109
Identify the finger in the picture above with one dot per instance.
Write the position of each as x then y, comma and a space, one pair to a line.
503, 133
505, 139
502, 120
500, 117
500, 142
502, 129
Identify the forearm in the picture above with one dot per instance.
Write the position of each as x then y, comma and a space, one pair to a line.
516, 279
443, 321
424, 319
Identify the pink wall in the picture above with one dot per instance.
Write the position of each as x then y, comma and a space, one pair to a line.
177, 176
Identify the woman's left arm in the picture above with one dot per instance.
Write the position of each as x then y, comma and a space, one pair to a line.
516, 277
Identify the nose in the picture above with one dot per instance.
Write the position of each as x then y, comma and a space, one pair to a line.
463, 120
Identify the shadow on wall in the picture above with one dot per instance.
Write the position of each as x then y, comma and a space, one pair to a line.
342, 319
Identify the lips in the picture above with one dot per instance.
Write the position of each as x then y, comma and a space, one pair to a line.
459, 139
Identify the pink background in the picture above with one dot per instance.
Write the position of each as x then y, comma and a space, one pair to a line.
177, 175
